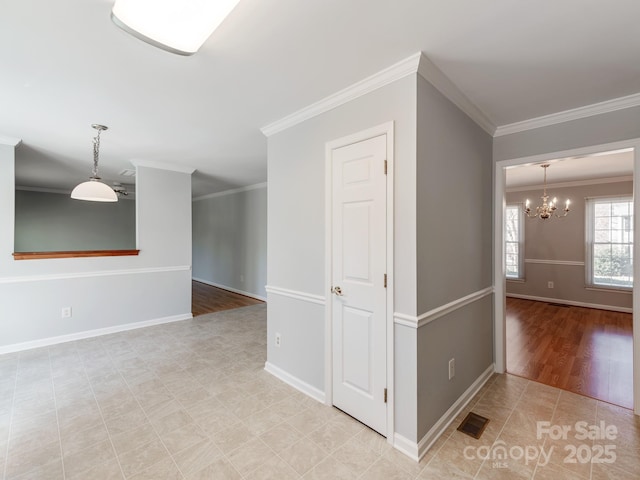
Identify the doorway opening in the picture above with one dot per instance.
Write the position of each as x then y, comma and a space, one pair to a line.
559, 321
207, 298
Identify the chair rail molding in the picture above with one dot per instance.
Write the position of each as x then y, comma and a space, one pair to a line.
304, 296
541, 261
427, 317
99, 273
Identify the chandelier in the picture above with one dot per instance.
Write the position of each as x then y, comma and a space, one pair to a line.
548, 208
94, 190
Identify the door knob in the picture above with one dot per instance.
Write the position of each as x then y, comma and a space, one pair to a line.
337, 291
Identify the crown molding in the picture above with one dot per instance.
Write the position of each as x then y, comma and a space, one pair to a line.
416, 63
567, 115
232, 191
163, 166
384, 77
574, 183
9, 141
431, 73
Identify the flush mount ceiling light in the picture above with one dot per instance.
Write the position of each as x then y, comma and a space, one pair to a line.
94, 190
178, 26
548, 208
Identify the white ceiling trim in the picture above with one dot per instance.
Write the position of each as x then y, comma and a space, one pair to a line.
568, 115
431, 73
417, 63
388, 75
163, 166
574, 183
9, 141
232, 191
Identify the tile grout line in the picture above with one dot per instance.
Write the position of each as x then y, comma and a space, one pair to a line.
147, 416
544, 442
13, 401
55, 406
503, 426
104, 423
593, 443
242, 421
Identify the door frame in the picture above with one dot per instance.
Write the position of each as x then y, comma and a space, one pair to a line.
499, 281
388, 129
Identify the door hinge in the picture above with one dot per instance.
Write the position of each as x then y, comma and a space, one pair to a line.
385, 395
385, 280
385, 167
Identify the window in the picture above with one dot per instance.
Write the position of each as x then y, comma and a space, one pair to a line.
610, 242
514, 241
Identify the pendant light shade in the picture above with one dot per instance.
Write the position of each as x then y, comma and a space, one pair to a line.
94, 190
178, 26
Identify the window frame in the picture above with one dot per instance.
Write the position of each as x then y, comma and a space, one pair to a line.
519, 207
590, 203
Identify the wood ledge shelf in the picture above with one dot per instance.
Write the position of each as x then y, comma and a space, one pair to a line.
73, 254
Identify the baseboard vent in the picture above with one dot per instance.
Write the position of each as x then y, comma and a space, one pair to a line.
473, 425
563, 305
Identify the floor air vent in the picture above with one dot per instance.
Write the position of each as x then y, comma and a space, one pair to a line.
473, 425
558, 305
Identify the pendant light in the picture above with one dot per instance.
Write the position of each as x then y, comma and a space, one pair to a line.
94, 190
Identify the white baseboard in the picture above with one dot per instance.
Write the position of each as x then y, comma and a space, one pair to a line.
611, 308
406, 446
45, 342
295, 382
417, 450
230, 289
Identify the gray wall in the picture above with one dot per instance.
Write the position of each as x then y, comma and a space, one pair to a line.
296, 235
596, 130
49, 222
230, 241
563, 240
442, 244
454, 231
104, 292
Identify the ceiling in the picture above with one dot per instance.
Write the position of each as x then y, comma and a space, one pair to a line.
64, 65
601, 166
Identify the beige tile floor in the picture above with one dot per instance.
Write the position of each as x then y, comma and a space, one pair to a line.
191, 400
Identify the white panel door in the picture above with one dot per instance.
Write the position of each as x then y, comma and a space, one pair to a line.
358, 277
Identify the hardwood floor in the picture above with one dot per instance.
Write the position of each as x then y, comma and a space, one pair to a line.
581, 350
208, 299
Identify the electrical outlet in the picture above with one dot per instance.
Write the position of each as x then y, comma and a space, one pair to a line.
549, 284
66, 312
241, 278
452, 368
278, 339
